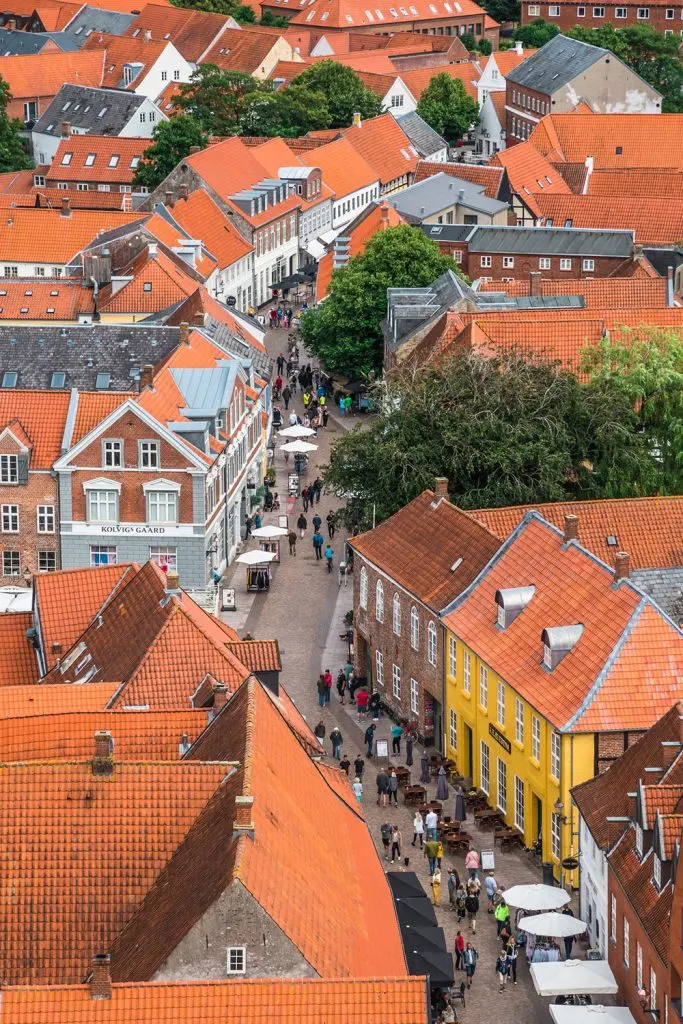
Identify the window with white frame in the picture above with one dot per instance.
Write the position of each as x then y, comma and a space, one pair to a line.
580, 12
653, 993
396, 614
621, 13
112, 453
103, 554
467, 672
162, 506
396, 681
565, 264
363, 588
452, 657
165, 557
639, 839
379, 601
535, 738
555, 754
519, 803
534, 10
613, 918
47, 561
588, 265
656, 871
669, 14
149, 455
627, 944
414, 696
598, 12
237, 960
9, 469
500, 704
45, 518
10, 519
485, 261
555, 835
553, 11
484, 686
643, 13
414, 628
379, 667
11, 563
639, 965
544, 263
102, 506
484, 768
502, 786
508, 262
519, 721
453, 729
431, 643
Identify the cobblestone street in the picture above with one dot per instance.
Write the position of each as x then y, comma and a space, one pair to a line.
304, 610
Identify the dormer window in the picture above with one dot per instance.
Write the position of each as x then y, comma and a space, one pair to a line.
656, 871
511, 602
639, 840
558, 641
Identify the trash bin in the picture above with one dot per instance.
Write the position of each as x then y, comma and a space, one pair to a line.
548, 878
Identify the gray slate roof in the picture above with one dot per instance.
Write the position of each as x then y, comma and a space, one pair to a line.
85, 104
93, 19
428, 197
551, 241
665, 587
81, 352
423, 137
14, 43
555, 64
411, 309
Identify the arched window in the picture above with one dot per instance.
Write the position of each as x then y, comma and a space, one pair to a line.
364, 587
431, 643
414, 629
396, 611
379, 601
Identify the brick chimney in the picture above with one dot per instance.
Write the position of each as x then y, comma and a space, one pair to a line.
571, 528
148, 36
65, 129
182, 192
199, 319
622, 569
195, 149
172, 582
66, 207
103, 761
220, 697
184, 333
147, 377
384, 215
169, 198
441, 487
535, 283
357, 120
100, 977
244, 820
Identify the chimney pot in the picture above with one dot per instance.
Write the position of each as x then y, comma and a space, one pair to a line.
172, 582
100, 977
244, 814
535, 283
220, 696
169, 198
66, 207
195, 149
65, 129
622, 569
461, 194
357, 120
184, 333
148, 36
147, 377
571, 528
103, 761
441, 487
182, 191
519, 47
199, 319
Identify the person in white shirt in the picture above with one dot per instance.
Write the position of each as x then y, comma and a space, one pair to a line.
431, 821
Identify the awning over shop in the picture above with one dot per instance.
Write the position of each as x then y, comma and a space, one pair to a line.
595, 1014
574, 977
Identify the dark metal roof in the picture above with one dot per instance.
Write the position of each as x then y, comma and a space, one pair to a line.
84, 107
449, 232
426, 198
556, 63
93, 19
423, 137
488, 301
82, 352
14, 43
552, 241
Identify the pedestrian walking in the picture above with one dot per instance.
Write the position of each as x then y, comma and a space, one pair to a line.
286, 395
430, 851
439, 853
460, 810
396, 840
382, 787
385, 832
418, 829
357, 788
435, 882
304, 498
318, 488
280, 363
329, 519
569, 939
374, 704
341, 685
459, 952
472, 862
319, 731
358, 766
393, 788
502, 915
327, 676
490, 884
249, 523
370, 739
322, 690
291, 537
470, 957
511, 954
396, 733
410, 739
329, 557
460, 898
505, 935
348, 671
317, 522
326, 415
453, 886
345, 764
336, 739
431, 821
502, 968
318, 541
302, 524
472, 907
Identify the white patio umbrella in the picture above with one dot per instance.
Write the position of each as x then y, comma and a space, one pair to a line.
255, 557
595, 1013
557, 926
299, 447
298, 430
536, 897
574, 977
271, 533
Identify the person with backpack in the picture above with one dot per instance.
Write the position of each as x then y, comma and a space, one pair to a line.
511, 954
502, 970
472, 907
329, 557
385, 832
470, 957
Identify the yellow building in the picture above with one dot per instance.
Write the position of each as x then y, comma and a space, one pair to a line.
547, 654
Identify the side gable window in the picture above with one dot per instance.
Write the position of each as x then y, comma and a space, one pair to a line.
379, 601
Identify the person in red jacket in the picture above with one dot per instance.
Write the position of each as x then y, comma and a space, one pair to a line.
328, 683
362, 699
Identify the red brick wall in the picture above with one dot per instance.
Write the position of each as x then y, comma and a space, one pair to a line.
41, 489
626, 976
568, 16
524, 265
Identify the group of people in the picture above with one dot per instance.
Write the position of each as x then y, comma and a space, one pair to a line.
279, 317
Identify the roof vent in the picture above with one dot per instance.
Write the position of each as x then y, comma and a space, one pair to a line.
184, 745
558, 641
511, 602
456, 564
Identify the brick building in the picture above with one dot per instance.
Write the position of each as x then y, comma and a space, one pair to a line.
660, 15
408, 569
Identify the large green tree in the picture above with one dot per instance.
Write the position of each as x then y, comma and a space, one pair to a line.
344, 331
502, 10
343, 90
216, 98
242, 13
171, 143
537, 33
445, 105
504, 431
286, 112
13, 155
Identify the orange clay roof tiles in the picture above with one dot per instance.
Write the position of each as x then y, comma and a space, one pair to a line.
634, 877
242, 49
384, 146
45, 236
191, 32
663, 797
256, 1001
120, 50
18, 663
489, 177
36, 417
157, 283
200, 217
597, 684
530, 173
612, 140
507, 60
654, 221
34, 299
601, 293
374, 218
257, 655
649, 529
49, 72
170, 236
104, 149
55, 699
137, 735
202, 301
343, 168
93, 407
417, 80
418, 546
671, 829
637, 181
81, 852
351, 14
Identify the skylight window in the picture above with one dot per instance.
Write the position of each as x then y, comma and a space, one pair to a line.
349, 19
24, 309
136, 33
54, 292
114, 159
58, 379
28, 292
147, 286
403, 12
78, 30
393, 12
66, 105
379, 15
103, 111
9, 379
324, 16
66, 159
102, 381
369, 16
134, 162
50, 309
611, 540
90, 159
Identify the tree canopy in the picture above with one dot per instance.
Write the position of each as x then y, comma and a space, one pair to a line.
447, 108
287, 112
242, 13
171, 143
504, 431
13, 155
343, 90
344, 331
502, 10
536, 34
216, 98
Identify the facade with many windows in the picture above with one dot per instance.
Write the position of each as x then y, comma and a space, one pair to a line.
663, 18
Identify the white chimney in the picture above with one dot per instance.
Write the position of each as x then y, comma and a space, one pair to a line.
519, 47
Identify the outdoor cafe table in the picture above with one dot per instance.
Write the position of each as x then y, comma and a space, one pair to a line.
508, 838
424, 809
488, 819
403, 775
413, 794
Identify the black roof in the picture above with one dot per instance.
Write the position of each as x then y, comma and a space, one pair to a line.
83, 108
94, 19
14, 43
555, 64
544, 241
81, 352
423, 137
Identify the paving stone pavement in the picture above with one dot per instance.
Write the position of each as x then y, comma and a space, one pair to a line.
304, 610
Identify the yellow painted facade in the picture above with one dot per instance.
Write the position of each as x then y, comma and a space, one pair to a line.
514, 754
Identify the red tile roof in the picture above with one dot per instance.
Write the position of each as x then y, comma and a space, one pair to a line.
18, 664
157, 282
35, 299
256, 1000
200, 217
384, 146
507, 60
637, 181
489, 177
56, 699
530, 174
626, 640
418, 79
191, 32
46, 236
372, 219
599, 293
244, 49
634, 877
121, 50
653, 221
44, 74
351, 14
92, 408
612, 140
123, 153
343, 168
257, 655
649, 529
421, 543
41, 417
